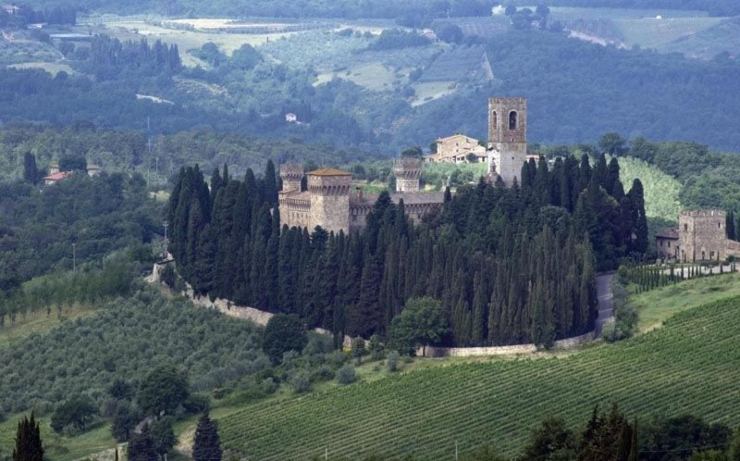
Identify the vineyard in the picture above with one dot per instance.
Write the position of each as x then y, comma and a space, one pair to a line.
689, 366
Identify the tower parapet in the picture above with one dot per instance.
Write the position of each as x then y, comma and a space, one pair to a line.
329, 191
507, 137
408, 174
291, 175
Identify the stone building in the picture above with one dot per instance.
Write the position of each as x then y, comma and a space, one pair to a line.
701, 236
507, 138
457, 149
331, 202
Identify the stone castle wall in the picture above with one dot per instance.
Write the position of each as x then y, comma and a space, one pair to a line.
431, 351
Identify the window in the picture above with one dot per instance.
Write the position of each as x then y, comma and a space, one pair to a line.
494, 119
719, 225
685, 227
513, 120
711, 255
669, 244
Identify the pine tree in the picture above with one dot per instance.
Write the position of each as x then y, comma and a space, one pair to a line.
206, 445
28, 446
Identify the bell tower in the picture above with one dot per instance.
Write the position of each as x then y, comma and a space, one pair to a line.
507, 137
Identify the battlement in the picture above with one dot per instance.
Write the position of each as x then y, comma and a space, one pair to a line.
709, 213
407, 168
291, 170
329, 182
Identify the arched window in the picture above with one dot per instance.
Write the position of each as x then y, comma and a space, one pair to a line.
494, 120
513, 120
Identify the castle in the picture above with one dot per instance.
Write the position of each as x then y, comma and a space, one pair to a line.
332, 202
701, 236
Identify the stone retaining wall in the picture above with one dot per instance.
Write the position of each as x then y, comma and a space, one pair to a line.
261, 317
431, 351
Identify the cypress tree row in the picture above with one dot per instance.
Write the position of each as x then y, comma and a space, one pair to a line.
510, 265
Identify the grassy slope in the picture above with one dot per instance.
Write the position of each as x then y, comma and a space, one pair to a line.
60, 448
661, 189
426, 412
656, 306
38, 322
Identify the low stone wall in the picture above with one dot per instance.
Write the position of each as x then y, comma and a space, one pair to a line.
226, 306
431, 351
261, 317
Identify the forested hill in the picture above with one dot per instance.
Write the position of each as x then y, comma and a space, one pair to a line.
577, 91
493, 256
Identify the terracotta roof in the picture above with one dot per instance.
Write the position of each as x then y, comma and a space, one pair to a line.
329, 172
418, 198
58, 176
667, 234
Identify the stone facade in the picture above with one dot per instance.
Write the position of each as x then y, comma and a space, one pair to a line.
507, 138
700, 236
330, 202
456, 149
408, 174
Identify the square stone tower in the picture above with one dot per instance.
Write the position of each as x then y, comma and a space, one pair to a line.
408, 174
702, 235
329, 191
291, 174
507, 137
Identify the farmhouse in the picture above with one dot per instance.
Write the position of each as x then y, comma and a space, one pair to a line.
458, 148
700, 236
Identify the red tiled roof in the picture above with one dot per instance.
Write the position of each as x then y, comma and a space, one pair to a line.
58, 176
329, 172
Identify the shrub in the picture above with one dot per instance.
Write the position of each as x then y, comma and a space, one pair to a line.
300, 382
358, 349
324, 373
283, 333
376, 347
76, 414
392, 361
346, 375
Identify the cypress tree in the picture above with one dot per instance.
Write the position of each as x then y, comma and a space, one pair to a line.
31, 173
639, 219
206, 445
730, 226
28, 446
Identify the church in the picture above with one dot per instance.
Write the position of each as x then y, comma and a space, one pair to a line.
332, 202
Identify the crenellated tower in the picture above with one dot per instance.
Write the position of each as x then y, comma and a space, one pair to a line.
408, 174
291, 174
329, 191
507, 137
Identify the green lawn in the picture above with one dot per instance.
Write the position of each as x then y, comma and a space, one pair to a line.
38, 322
661, 189
656, 306
687, 367
61, 448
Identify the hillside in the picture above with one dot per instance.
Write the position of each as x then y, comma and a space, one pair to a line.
661, 189
662, 372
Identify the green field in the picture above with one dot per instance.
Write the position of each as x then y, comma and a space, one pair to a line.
689, 366
38, 322
661, 189
656, 306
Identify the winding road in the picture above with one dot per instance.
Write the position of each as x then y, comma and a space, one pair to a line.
606, 304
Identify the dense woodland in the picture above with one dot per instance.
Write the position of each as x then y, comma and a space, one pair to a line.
509, 265
38, 229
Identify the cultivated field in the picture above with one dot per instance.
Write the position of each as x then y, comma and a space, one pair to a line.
689, 366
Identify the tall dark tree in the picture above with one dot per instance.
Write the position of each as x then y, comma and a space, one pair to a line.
28, 446
141, 446
31, 173
206, 445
